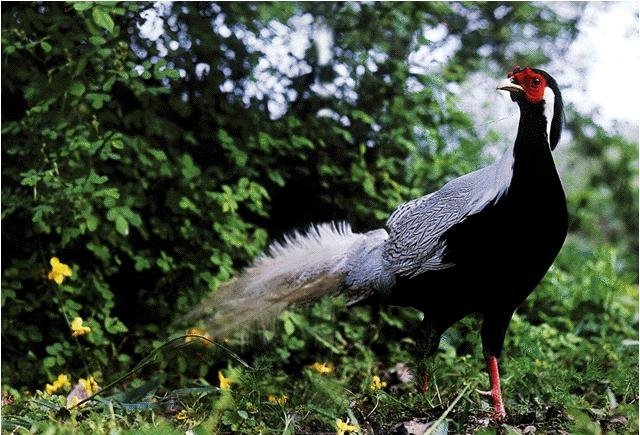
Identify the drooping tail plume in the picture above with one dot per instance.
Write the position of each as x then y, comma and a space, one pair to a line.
326, 260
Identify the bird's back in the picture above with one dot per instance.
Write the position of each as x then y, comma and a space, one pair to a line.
418, 229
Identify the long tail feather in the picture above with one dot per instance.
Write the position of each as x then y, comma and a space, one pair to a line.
303, 268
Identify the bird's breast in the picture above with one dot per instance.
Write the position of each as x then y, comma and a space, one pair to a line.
512, 243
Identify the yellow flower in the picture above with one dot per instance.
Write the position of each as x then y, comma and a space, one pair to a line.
377, 384
90, 385
344, 427
61, 382
225, 383
281, 400
322, 368
77, 328
182, 415
58, 270
198, 331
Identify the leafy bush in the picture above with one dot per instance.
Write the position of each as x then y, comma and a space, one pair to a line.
79, 187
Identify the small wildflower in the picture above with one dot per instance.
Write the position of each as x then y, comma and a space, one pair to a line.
77, 328
58, 270
201, 332
7, 398
83, 389
182, 415
377, 384
322, 368
344, 427
58, 384
280, 400
225, 383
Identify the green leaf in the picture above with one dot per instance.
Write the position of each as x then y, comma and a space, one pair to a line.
165, 262
49, 362
114, 326
117, 144
77, 88
92, 222
97, 40
186, 204
94, 178
131, 216
46, 47
97, 100
122, 226
189, 168
194, 390
109, 84
301, 142
82, 64
141, 263
40, 212
110, 192
289, 327
30, 178
276, 178
102, 19
265, 141
362, 116
172, 73
511, 430
346, 135
158, 154
82, 6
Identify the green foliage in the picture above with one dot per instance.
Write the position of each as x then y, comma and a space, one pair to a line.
569, 367
154, 169
605, 171
137, 221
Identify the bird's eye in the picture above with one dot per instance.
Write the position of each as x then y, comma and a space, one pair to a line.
535, 82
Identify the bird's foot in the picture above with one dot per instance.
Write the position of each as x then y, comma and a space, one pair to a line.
499, 414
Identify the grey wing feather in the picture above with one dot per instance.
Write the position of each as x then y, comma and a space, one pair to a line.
416, 229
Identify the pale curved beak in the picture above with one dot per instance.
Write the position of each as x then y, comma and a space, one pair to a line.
508, 85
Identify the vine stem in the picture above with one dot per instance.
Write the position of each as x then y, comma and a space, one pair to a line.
64, 312
174, 343
440, 419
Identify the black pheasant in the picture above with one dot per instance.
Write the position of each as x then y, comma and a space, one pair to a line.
480, 244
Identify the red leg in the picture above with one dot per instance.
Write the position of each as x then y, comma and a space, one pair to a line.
496, 394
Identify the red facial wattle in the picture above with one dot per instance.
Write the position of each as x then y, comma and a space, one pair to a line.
533, 83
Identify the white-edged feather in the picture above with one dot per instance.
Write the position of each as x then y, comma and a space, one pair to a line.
549, 101
301, 268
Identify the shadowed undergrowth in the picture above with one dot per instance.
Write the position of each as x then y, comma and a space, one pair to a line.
569, 367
